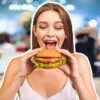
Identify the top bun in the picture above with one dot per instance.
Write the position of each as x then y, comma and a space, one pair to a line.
48, 53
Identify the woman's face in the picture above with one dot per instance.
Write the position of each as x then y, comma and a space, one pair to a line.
49, 30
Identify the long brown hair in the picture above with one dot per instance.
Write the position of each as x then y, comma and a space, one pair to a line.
68, 43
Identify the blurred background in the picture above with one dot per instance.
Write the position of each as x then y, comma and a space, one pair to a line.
15, 21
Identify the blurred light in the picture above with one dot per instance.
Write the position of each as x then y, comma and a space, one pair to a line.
87, 1
14, 2
28, 7
93, 23
25, 7
29, 1
62, 1
98, 20
12, 26
77, 21
14, 7
4, 24
4, 2
35, 3
21, 7
48, 0
70, 7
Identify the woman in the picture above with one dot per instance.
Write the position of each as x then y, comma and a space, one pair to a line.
51, 24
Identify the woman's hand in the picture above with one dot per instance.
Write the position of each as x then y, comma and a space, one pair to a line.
71, 67
81, 79
26, 66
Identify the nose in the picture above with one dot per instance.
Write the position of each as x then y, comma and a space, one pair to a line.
50, 32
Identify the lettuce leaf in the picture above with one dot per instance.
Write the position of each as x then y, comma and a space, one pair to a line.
50, 65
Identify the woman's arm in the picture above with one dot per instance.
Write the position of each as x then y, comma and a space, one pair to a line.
84, 82
10, 91
79, 71
12, 80
18, 69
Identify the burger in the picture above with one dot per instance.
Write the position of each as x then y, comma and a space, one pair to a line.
48, 58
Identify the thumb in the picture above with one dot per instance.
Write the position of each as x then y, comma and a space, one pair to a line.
65, 68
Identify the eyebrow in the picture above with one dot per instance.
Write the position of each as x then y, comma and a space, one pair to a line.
59, 22
44, 22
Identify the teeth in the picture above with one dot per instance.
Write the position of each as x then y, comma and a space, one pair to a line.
50, 42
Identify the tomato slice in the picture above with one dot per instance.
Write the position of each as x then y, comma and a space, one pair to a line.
46, 59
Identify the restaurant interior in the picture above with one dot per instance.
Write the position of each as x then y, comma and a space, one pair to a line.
15, 22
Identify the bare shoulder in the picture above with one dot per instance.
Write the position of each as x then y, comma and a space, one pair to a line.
85, 72
83, 64
14, 64
81, 58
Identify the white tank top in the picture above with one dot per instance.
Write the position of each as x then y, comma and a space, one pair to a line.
27, 93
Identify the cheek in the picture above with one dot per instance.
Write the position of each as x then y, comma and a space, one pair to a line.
40, 35
61, 36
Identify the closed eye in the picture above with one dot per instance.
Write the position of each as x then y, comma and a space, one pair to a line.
58, 28
42, 27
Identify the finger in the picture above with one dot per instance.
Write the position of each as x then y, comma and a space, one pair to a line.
67, 54
65, 69
30, 54
33, 51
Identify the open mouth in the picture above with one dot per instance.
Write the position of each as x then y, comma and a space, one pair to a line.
50, 44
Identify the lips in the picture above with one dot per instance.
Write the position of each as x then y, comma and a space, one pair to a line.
50, 44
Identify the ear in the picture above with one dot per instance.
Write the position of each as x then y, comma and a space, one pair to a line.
34, 30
